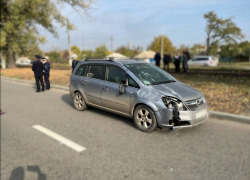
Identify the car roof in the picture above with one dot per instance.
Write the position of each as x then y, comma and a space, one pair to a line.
120, 61
201, 56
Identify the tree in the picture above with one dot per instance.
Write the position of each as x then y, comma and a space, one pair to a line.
20, 19
197, 49
237, 51
30, 53
220, 31
129, 52
100, 52
167, 45
87, 53
55, 57
76, 49
181, 48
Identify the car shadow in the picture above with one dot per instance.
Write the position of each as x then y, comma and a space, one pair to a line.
19, 173
68, 100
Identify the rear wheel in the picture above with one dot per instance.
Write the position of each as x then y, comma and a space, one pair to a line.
79, 102
145, 119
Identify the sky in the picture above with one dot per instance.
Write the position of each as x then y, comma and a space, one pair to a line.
139, 21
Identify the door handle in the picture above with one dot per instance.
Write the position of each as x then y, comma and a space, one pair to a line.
84, 82
105, 88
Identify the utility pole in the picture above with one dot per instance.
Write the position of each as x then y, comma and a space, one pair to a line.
162, 46
128, 44
111, 40
69, 42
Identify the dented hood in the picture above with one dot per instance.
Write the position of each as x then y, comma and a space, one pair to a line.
178, 90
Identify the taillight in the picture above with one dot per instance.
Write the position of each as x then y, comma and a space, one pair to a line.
211, 62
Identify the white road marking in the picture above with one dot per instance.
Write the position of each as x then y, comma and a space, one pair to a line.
59, 138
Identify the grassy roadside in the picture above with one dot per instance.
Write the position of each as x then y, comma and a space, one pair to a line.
225, 94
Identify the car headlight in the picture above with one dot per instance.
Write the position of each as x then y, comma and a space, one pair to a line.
204, 100
172, 103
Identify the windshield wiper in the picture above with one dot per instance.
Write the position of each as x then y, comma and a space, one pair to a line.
162, 82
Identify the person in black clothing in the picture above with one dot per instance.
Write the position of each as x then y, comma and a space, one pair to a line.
157, 59
37, 67
166, 60
46, 70
187, 53
177, 61
73, 63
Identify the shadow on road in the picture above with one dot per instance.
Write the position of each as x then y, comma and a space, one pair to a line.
68, 100
18, 173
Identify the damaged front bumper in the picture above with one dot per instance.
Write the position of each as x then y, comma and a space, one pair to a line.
187, 119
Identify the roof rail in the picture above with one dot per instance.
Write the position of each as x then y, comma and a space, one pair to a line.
99, 59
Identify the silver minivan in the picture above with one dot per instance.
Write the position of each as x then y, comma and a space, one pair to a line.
137, 90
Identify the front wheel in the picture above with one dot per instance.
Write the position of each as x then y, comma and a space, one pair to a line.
145, 119
79, 102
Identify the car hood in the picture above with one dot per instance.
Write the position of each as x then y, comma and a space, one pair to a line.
178, 90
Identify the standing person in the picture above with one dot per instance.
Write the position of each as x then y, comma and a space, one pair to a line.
187, 53
46, 71
37, 67
166, 60
73, 63
177, 61
157, 59
185, 61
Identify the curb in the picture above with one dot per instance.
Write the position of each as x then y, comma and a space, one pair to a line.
213, 114
32, 82
230, 117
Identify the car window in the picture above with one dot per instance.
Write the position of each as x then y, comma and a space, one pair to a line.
202, 59
95, 71
149, 74
132, 83
81, 70
115, 75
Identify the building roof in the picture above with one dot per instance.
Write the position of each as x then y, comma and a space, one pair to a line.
117, 56
146, 55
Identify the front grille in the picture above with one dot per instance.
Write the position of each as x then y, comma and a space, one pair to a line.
195, 104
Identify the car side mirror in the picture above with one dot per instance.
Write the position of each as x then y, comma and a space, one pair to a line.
121, 89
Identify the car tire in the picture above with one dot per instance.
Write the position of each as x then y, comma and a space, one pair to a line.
144, 119
79, 102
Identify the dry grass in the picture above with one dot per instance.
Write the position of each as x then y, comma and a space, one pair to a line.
226, 94
58, 77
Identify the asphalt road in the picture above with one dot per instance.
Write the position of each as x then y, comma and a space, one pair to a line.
115, 149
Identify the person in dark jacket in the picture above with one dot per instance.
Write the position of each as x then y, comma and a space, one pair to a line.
73, 63
37, 67
187, 53
46, 70
166, 60
157, 59
185, 61
177, 60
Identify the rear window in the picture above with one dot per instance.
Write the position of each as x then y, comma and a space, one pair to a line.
201, 59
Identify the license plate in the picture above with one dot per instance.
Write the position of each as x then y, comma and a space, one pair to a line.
200, 114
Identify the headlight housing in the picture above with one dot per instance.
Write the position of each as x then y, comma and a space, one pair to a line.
204, 100
172, 103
